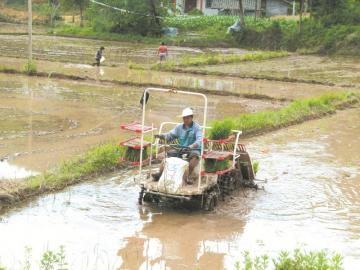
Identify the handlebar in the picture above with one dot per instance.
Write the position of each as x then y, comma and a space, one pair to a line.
180, 148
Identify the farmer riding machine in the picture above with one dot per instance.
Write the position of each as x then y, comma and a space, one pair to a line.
224, 164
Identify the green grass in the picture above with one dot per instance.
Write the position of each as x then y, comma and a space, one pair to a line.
8, 70
296, 260
215, 59
30, 68
96, 161
295, 112
88, 32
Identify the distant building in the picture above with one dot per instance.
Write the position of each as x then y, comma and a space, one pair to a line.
218, 7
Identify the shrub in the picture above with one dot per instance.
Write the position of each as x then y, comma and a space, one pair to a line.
314, 35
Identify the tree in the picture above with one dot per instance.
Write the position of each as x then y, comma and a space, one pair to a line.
301, 14
136, 16
154, 12
81, 5
54, 6
241, 13
332, 11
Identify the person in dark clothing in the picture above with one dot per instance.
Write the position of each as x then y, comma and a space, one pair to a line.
99, 55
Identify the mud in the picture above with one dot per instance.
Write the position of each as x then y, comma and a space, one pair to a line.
45, 121
311, 200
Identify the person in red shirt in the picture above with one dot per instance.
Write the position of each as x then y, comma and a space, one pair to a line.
163, 52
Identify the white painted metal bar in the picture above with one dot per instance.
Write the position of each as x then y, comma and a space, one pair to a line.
160, 132
143, 122
238, 133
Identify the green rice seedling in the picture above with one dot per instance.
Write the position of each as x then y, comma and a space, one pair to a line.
133, 155
256, 166
213, 165
221, 130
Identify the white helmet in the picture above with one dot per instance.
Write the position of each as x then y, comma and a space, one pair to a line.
187, 112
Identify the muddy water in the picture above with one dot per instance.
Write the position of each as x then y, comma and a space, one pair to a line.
311, 201
44, 121
274, 89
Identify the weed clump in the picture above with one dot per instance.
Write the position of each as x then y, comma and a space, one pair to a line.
30, 68
297, 260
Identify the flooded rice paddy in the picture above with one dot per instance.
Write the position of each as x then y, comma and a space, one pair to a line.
272, 89
336, 70
78, 50
311, 200
45, 121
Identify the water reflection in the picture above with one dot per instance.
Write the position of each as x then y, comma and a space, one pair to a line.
180, 239
10, 172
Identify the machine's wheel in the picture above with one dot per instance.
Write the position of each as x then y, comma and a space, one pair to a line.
227, 184
141, 196
211, 201
148, 197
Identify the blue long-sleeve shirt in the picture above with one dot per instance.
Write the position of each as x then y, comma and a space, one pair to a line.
187, 136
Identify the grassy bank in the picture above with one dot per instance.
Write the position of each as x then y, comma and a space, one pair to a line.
88, 32
214, 59
297, 112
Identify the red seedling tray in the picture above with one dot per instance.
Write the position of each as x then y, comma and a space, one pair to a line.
218, 155
203, 173
224, 141
134, 163
135, 143
136, 127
